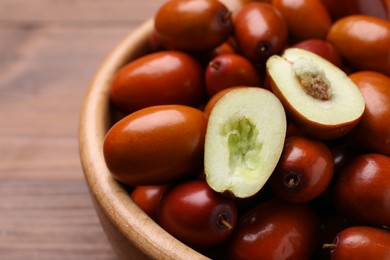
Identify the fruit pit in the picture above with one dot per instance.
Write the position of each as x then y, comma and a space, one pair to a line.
312, 79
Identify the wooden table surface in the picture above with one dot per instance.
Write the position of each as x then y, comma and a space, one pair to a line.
49, 51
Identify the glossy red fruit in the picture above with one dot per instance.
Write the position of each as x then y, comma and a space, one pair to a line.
370, 52
260, 31
156, 145
305, 19
229, 70
166, 77
373, 131
193, 25
275, 230
196, 215
361, 242
323, 48
362, 190
148, 198
304, 171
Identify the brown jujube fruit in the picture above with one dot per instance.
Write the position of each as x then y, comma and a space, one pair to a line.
260, 31
305, 19
229, 70
363, 41
373, 131
165, 77
361, 190
360, 242
193, 25
275, 230
156, 145
304, 171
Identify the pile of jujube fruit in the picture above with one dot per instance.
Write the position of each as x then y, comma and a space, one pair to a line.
313, 76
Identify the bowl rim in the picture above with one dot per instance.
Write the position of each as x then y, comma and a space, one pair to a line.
116, 211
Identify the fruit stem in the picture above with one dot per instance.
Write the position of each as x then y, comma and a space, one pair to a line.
226, 17
223, 222
291, 183
215, 65
329, 246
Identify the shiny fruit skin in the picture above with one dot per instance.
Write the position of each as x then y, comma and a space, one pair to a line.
305, 19
373, 131
304, 171
323, 48
362, 190
361, 242
148, 197
260, 31
156, 145
275, 230
166, 77
229, 70
193, 25
363, 41
193, 213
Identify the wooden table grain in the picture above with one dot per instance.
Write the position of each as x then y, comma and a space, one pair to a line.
49, 51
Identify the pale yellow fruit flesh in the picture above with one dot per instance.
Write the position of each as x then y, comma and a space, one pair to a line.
244, 141
345, 102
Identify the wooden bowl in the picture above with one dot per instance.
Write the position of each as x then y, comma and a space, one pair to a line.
132, 234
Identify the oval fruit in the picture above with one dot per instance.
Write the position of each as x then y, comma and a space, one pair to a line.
196, 215
275, 230
147, 197
244, 140
304, 171
305, 19
373, 131
362, 190
166, 77
193, 25
361, 242
156, 145
363, 41
260, 31
319, 97
229, 70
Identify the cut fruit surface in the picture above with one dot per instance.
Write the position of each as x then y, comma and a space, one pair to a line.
318, 96
244, 141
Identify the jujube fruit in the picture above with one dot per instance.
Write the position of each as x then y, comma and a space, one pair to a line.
260, 31
166, 77
147, 197
319, 98
372, 134
275, 230
229, 70
156, 145
193, 25
360, 242
304, 171
305, 19
195, 214
361, 190
363, 41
